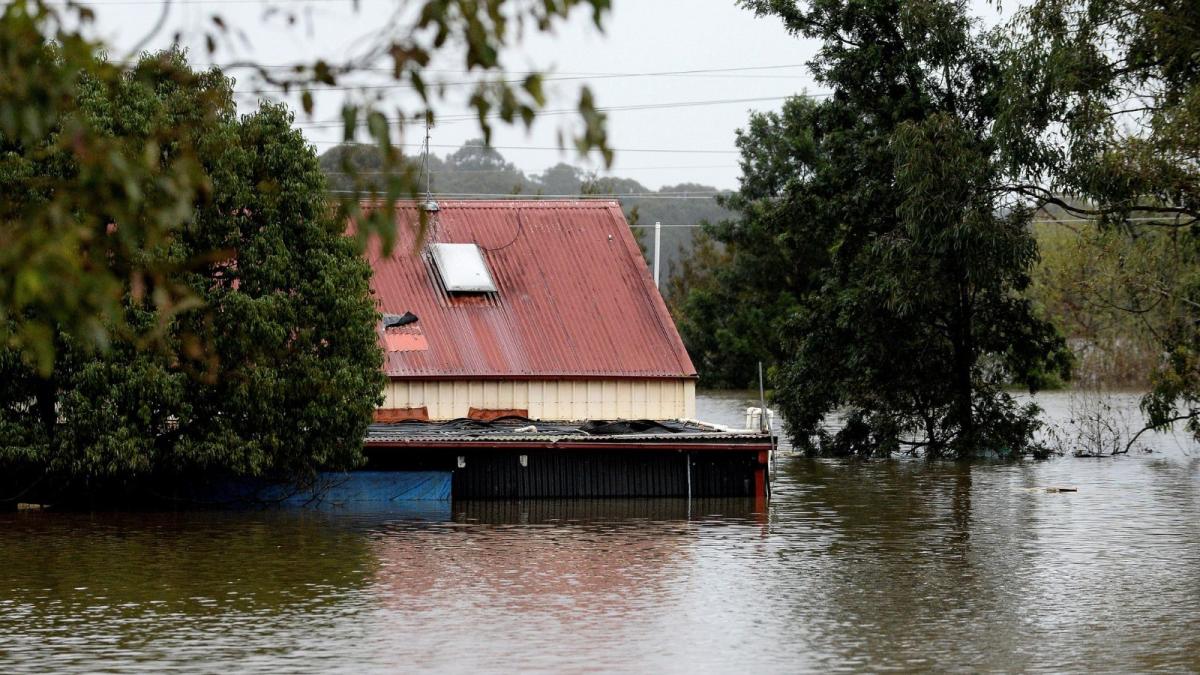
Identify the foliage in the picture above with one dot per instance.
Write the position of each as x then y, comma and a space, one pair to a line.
876, 209
729, 323
80, 204
1101, 118
1113, 294
72, 240
277, 376
1101, 106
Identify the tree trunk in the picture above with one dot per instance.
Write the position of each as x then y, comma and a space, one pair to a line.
46, 404
964, 360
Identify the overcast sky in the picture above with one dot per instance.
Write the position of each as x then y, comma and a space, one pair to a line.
667, 145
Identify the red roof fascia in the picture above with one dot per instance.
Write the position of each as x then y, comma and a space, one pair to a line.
575, 298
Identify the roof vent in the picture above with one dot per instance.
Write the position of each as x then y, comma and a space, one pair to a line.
462, 268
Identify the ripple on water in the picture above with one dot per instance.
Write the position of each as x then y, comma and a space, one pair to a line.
877, 565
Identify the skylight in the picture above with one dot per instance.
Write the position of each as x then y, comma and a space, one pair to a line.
462, 268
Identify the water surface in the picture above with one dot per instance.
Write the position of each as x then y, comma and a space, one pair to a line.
881, 565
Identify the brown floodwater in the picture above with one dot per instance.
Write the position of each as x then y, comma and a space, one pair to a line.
859, 566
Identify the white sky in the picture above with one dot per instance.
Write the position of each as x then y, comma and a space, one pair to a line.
640, 36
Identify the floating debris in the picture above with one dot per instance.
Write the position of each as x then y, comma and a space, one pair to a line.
1051, 488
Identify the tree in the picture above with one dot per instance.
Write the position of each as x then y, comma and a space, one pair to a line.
877, 209
277, 376
70, 242
79, 205
1101, 120
729, 323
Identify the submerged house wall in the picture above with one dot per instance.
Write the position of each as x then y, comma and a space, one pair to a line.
657, 399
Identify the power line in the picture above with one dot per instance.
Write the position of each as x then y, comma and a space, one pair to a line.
533, 147
452, 71
97, 3
450, 119
1159, 219
458, 71
702, 72
571, 111
464, 83
1035, 222
580, 197
451, 172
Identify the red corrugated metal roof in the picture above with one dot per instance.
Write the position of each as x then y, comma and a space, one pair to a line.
575, 298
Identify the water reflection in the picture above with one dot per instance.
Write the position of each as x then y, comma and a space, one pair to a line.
83, 592
543, 511
856, 565
977, 567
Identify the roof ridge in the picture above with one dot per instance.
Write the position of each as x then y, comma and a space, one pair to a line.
607, 202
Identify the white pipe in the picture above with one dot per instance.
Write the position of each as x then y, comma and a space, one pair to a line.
657, 250
687, 457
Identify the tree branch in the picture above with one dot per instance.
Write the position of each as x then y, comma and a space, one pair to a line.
1149, 427
1045, 197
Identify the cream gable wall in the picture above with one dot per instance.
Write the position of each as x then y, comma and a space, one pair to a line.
548, 399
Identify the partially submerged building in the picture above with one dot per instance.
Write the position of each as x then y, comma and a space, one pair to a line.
529, 353
541, 309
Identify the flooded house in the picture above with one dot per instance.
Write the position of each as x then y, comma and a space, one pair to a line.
529, 354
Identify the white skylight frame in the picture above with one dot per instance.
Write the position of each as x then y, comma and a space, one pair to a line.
462, 268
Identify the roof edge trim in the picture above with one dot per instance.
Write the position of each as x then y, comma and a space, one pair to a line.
542, 376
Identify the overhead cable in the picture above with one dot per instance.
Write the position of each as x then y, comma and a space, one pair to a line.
571, 111
451, 172
556, 77
580, 197
530, 147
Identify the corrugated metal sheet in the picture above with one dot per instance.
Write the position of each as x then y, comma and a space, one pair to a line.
498, 475
575, 298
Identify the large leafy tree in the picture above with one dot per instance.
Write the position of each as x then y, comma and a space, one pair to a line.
79, 204
61, 268
878, 210
728, 308
1101, 121
277, 375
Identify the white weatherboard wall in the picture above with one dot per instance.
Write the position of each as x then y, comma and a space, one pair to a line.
548, 399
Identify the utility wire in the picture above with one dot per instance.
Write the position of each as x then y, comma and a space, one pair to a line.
99, 3
704, 72
452, 71
580, 197
451, 172
1034, 222
532, 147
366, 86
571, 111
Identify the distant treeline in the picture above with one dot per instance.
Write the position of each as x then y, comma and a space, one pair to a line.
475, 171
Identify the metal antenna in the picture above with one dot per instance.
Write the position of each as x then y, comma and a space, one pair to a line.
430, 205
